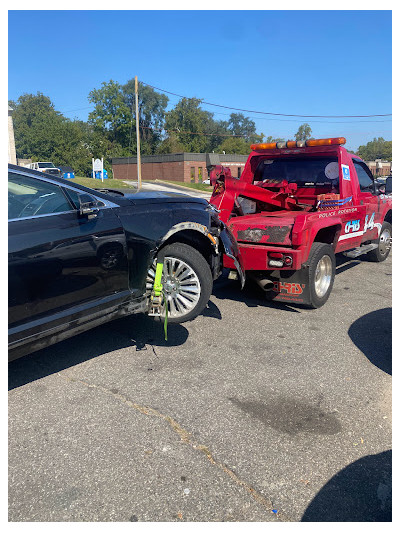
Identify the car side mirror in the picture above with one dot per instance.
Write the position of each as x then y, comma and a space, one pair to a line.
388, 186
87, 207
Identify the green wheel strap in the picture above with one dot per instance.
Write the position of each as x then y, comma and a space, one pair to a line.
158, 289
166, 317
157, 280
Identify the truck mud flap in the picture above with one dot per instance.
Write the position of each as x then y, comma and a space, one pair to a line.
294, 288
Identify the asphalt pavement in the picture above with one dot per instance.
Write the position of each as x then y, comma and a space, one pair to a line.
253, 412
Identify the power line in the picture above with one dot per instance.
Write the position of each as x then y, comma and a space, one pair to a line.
267, 112
177, 130
314, 121
180, 132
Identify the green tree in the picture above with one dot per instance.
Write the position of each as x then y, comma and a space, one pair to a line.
43, 134
303, 133
112, 116
171, 145
238, 124
235, 145
271, 139
152, 107
376, 149
194, 129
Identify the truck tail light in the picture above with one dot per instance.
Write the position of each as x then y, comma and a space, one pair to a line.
275, 255
288, 260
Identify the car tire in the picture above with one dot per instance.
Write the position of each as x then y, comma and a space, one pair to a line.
384, 242
321, 273
187, 281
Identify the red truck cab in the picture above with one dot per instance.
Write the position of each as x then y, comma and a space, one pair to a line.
296, 205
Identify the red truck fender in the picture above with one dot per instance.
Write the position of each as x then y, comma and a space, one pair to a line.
304, 234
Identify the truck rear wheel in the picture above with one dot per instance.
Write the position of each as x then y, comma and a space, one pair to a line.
384, 243
321, 273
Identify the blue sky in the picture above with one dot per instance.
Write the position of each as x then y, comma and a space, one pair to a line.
293, 62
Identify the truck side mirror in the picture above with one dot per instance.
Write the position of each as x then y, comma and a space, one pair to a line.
388, 185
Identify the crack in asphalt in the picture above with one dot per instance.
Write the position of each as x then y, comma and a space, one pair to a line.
188, 439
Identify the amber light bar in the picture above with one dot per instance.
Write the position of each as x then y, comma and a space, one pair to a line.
299, 144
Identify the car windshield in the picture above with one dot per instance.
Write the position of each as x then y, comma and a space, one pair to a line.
46, 165
306, 172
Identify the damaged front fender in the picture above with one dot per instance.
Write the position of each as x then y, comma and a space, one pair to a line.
231, 249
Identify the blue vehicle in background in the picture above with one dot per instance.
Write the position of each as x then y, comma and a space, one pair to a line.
67, 173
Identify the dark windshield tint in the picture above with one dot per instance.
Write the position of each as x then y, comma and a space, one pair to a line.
364, 176
46, 165
306, 172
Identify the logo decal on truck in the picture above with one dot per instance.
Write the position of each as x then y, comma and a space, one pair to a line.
290, 288
346, 172
352, 225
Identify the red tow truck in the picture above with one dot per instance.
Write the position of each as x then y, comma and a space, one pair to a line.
296, 205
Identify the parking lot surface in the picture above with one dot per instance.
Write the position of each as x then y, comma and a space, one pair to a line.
255, 411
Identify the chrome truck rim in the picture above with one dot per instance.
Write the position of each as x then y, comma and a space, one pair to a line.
180, 284
323, 276
385, 242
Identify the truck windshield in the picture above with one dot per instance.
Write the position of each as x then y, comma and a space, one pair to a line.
306, 172
46, 165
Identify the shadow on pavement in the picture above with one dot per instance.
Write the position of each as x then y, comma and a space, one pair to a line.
136, 331
344, 263
212, 311
372, 334
361, 492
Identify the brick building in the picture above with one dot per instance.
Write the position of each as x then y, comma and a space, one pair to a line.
379, 167
175, 167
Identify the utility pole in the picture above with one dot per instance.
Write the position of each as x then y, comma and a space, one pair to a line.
138, 162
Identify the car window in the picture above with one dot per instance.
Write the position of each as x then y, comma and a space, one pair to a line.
28, 196
85, 198
365, 179
305, 172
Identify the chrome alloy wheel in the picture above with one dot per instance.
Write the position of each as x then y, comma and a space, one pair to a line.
181, 286
323, 276
385, 242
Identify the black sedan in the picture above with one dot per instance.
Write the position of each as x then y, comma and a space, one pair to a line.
80, 257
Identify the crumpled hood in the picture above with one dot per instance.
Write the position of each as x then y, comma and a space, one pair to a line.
263, 229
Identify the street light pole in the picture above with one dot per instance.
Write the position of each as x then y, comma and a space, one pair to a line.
138, 162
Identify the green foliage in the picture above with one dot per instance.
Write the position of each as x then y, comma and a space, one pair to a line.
376, 149
303, 133
271, 139
152, 106
171, 145
235, 145
112, 117
43, 134
238, 124
187, 117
